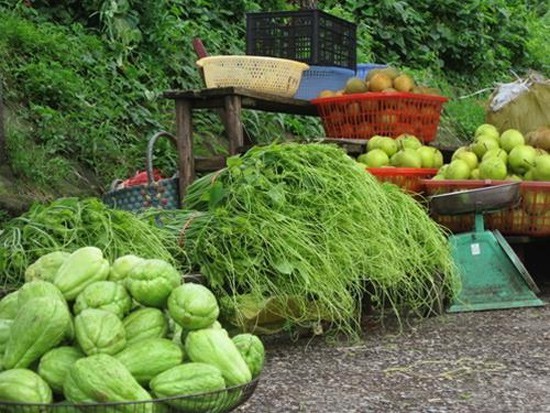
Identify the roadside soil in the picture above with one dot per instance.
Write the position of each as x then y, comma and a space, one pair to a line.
488, 361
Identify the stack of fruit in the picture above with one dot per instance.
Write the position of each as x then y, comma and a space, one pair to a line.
405, 151
491, 158
497, 156
386, 102
403, 161
387, 79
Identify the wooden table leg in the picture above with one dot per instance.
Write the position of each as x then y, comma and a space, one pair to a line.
184, 135
233, 123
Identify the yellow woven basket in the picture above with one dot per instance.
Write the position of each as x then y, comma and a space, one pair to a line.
262, 74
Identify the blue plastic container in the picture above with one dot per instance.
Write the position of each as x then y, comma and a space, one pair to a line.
364, 68
318, 78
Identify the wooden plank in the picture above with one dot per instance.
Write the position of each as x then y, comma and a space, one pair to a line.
295, 107
213, 97
210, 164
233, 124
341, 141
184, 135
208, 93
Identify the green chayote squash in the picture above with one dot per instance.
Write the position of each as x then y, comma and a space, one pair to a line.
36, 289
99, 331
105, 295
5, 326
151, 281
147, 358
45, 268
121, 267
145, 323
188, 379
175, 334
101, 378
24, 386
55, 364
40, 327
83, 267
214, 346
216, 324
183, 332
9, 305
193, 306
252, 349
40, 288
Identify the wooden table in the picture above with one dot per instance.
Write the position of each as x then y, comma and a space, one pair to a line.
229, 102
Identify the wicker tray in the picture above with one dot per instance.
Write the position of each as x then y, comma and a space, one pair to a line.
262, 74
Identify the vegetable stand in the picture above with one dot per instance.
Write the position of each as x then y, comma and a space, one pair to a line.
230, 101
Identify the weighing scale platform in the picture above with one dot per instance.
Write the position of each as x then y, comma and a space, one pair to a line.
492, 275
490, 284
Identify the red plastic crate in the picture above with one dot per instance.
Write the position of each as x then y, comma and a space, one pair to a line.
530, 217
363, 115
409, 179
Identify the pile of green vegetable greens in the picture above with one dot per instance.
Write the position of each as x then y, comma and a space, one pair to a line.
300, 225
306, 222
67, 224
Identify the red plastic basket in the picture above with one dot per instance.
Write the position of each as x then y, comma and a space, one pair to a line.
409, 179
531, 217
363, 115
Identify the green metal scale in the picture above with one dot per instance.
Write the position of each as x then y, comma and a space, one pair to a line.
492, 275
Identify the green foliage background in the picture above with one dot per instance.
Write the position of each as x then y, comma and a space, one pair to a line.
82, 80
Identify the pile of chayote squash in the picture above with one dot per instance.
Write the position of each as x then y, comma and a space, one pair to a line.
83, 330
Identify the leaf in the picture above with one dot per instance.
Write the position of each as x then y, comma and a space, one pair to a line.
284, 267
216, 194
277, 195
234, 162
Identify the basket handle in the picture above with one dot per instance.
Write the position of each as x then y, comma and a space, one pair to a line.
115, 184
149, 154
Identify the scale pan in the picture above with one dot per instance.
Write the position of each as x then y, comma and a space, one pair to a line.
486, 199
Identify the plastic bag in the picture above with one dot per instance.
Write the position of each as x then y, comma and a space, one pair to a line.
522, 105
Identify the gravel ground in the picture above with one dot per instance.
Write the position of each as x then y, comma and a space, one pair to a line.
491, 361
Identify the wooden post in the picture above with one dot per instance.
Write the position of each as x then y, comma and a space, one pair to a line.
184, 135
3, 149
233, 124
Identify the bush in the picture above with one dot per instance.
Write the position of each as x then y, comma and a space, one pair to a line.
464, 37
86, 77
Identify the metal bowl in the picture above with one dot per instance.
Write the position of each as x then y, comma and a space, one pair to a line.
487, 199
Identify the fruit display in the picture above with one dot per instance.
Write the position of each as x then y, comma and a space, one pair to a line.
384, 79
494, 158
497, 156
403, 161
386, 102
405, 151
84, 337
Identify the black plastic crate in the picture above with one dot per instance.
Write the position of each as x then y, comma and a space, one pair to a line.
310, 36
